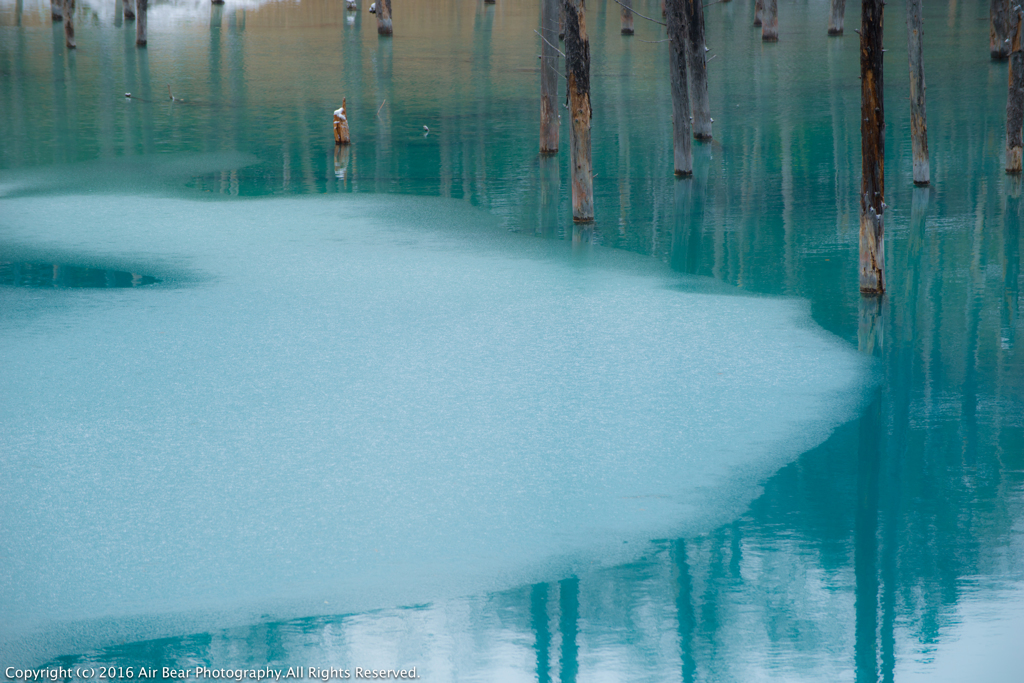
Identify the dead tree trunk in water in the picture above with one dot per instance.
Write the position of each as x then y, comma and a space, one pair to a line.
56, 10
698, 69
770, 21
627, 17
918, 121
872, 151
683, 155
1015, 99
1000, 27
128, 8
140, 22
835, 17
69, 23
384, 17
549, 76
758, 12
577, 76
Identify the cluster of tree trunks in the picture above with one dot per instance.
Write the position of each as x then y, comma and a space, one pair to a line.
872, 148
918, 121
577, 76
549, 76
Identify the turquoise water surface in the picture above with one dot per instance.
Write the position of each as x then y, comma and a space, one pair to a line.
265, 402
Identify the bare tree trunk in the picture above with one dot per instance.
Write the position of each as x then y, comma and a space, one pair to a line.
918, 121
872, 150
69, 23
341, 132
999, 29
683, 155
1015, 100
835, 17
577, 76
758, 12
698, 69
384, 17
140, 21
128, 7
549, 77
627, 17
56, 10
770, 21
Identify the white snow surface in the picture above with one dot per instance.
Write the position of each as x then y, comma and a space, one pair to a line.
339, 404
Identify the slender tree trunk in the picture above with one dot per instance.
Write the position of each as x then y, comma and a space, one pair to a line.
577, 76
69, 23
918, 121
627, 17
549, 77
1015, 100
872, 150
999, 29
56, 10
835, 17
758, 12
140, 21
698, 69
770, 22
128, 7
680, 100
341, 132
384, 17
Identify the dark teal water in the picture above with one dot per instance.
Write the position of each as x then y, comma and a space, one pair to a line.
891, 552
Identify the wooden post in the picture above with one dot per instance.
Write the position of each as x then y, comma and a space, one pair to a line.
758, 12
918, 121
140, 22
837, 8
872, 150
1015, 99
627, 17
56, 10
1000, 26
683, 156
577, 76
69, 23
384, 17
770, 22
128, 7
341, 134
698, 69
549, 76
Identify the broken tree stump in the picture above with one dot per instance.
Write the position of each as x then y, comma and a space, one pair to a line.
341, 133
383, 17
872, 149
837, 8
577, 76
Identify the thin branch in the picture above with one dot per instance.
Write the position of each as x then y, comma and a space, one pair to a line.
640, 15
652, 42
549, 44
381, 106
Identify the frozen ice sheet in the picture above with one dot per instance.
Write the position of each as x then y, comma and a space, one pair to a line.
336, 404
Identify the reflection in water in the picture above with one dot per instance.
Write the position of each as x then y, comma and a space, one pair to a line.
56, 275
859, 557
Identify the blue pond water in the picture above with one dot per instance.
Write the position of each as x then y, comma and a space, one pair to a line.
264, 402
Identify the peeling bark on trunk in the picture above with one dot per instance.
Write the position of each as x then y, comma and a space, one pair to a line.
758, 12
683, 155
1015, 101
698, 69
872, 150
837, 8
384, 17
577, 75
770, 21
69, 23
1000, 28
549, 77
627, 17
918, 121
140, 21
128, 8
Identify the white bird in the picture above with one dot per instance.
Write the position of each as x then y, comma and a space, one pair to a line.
373, 8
